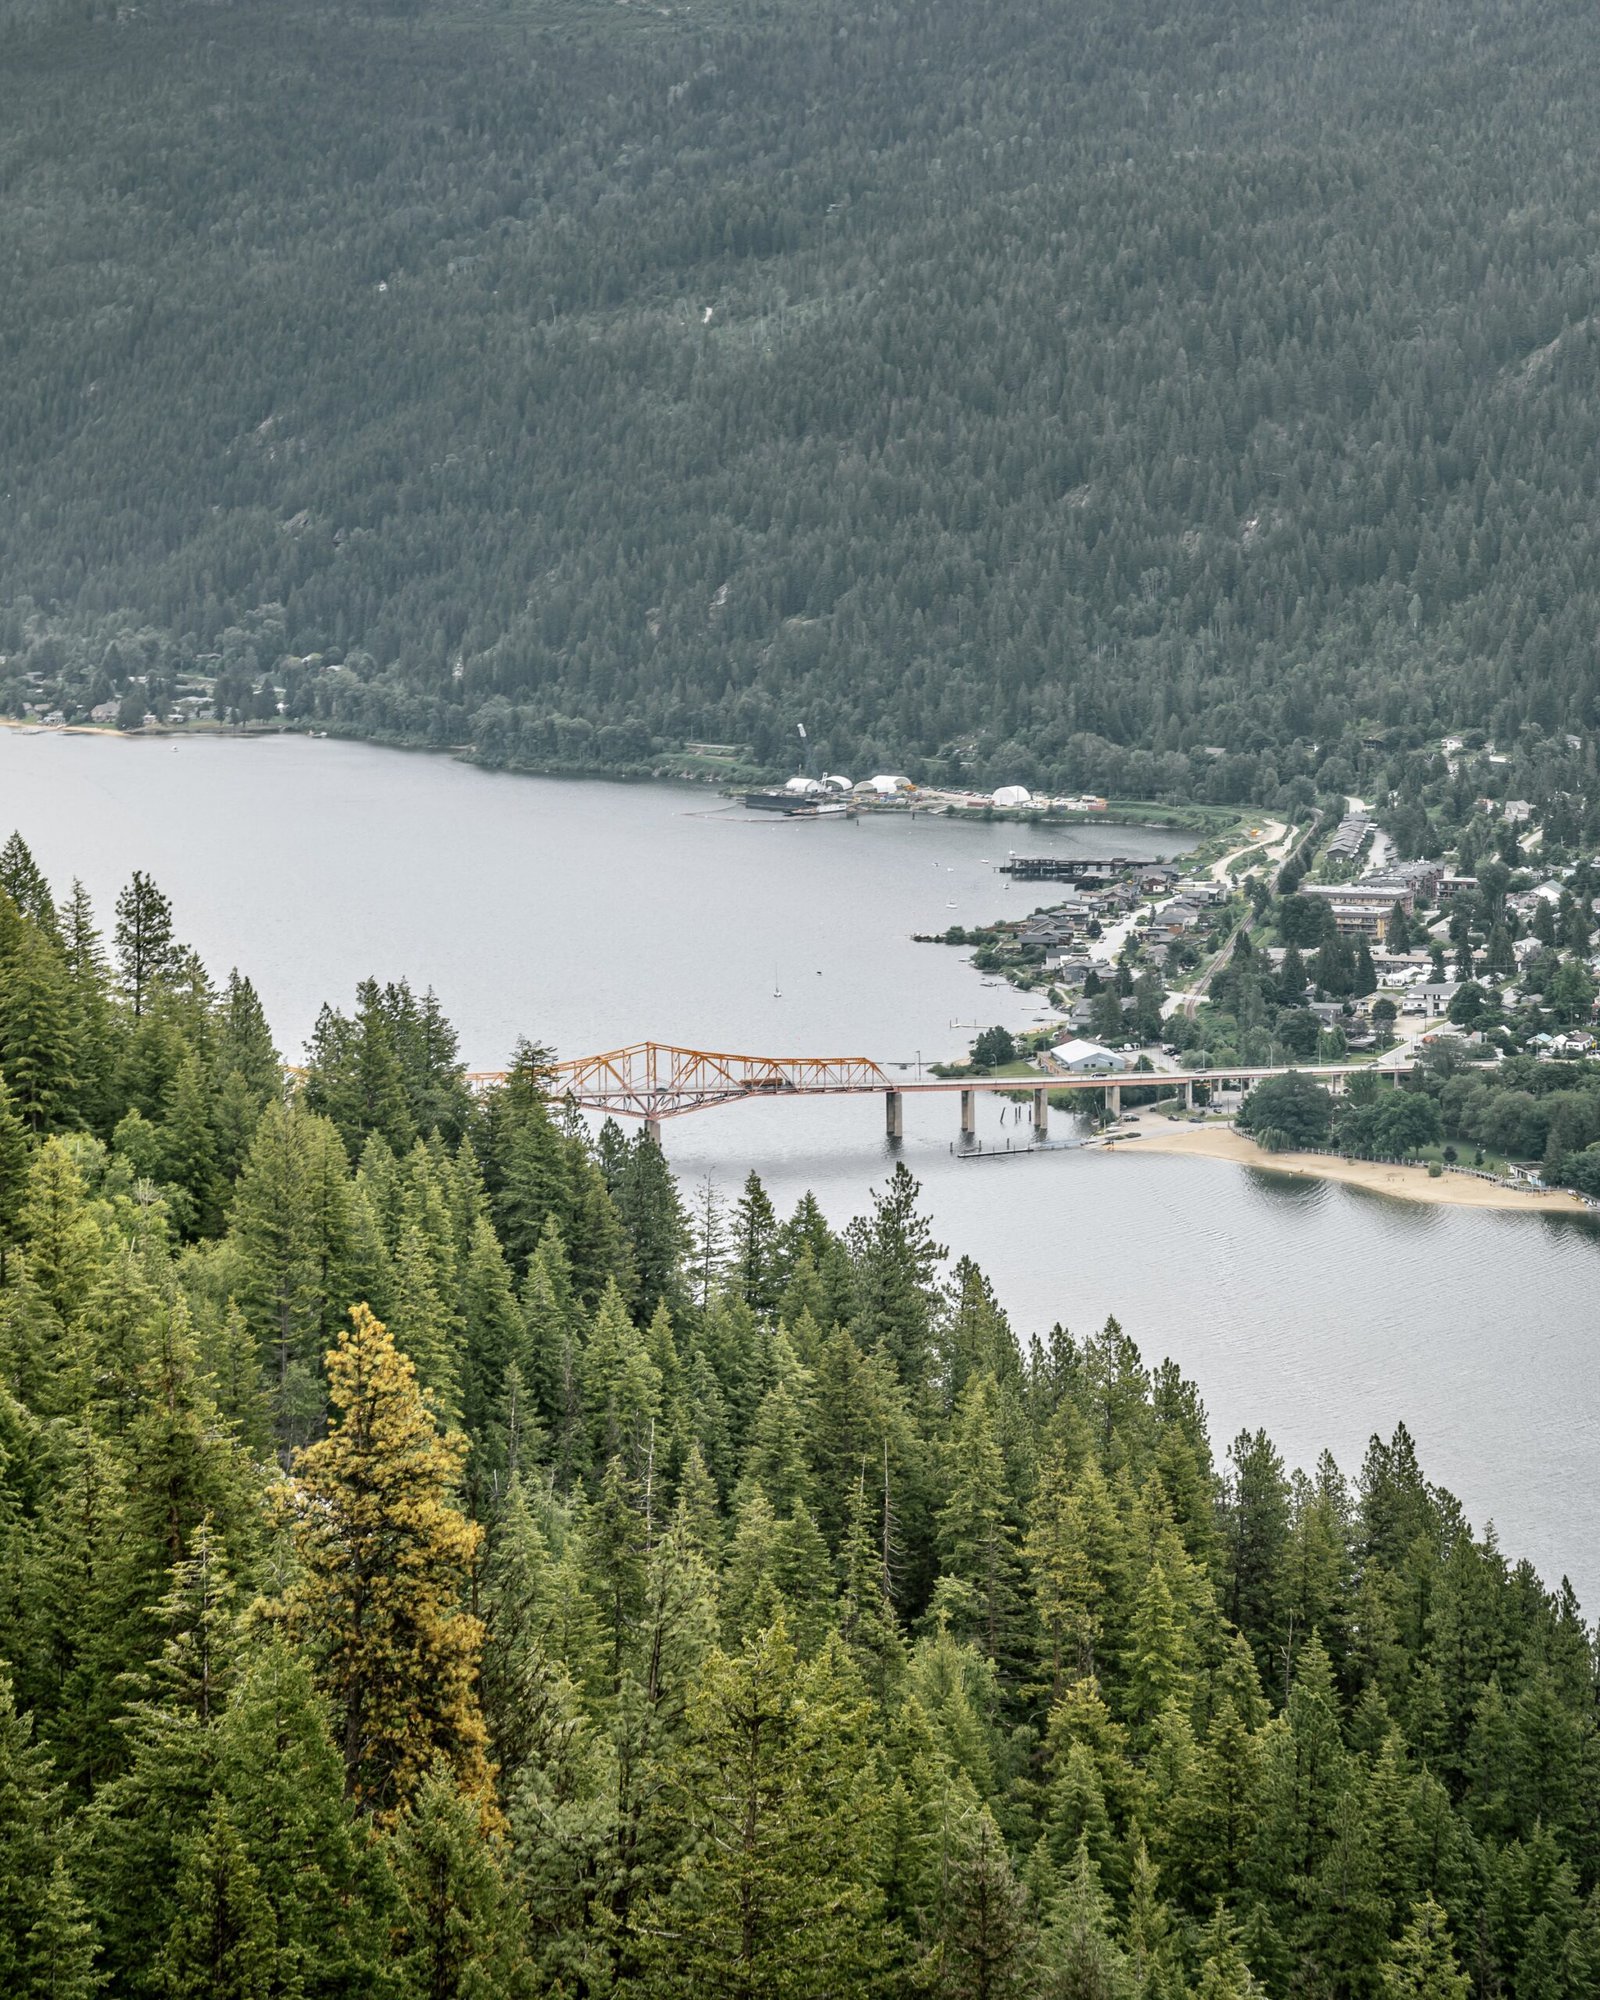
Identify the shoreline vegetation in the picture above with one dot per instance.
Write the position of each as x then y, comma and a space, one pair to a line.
1176, 817
1404, 1182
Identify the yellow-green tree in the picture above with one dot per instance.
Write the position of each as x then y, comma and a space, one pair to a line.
384, 1559
1421, 1964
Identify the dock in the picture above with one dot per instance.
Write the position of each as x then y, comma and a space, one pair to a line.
1069, 867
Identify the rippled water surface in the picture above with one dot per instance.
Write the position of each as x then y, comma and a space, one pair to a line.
592, 915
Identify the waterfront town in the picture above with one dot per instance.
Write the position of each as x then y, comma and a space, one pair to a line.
1319, 944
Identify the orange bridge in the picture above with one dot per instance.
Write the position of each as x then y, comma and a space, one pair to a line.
655, 1080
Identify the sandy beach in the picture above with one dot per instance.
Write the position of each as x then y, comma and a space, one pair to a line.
1218, 1142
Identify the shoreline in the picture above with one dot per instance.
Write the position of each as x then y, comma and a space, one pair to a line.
1406, 1183
626, 774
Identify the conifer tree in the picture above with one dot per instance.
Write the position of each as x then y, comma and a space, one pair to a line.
1149, 1935
597, 1245
1077, 1809
38, 1039
621, 1386
1224, 1974
1084, 1961
122, 1330
423, 1327
977, 1533
1421, 1964
29, 1849
677, 1621
976, 1336
1347, 1921
65, 1247
61, 1950
957, 1691
494, 1335
753, 1253
708, 1244
802, 1573
776, 1455
1304, 1773
290, 1224
324, 1886
1219, 1815
14, 1160
550, 1317
1256, 1526
22, 881
460, 1932
384, 1558
776, 1810
896, 1260
379, 1177
651, 1214
749, 1587
985, 1940
138, 1823
1160, 1653
221, 1943
189, 1148
83, 1626
183, 1469
244, 1046
537, 1172
515, 1602
615, 1552
232, 1366
147, 951
1067, 1591
867, 1621
95, 1025
354, 1076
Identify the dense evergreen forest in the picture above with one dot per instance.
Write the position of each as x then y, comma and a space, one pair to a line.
1022, 392
440, 1560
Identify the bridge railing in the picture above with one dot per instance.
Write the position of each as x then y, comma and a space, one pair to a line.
654, 1080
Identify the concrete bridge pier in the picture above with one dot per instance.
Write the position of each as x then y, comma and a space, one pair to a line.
1188, 1095
1041, 1113
1114, 1099
894, 1117
652, 1131
969, 1113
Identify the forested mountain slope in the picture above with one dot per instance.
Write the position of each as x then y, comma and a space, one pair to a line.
670, 1605
1062, 388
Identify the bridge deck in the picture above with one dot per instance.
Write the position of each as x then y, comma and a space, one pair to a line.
655, 1080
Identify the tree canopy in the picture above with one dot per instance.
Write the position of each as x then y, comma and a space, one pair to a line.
430, 1567
1160, 401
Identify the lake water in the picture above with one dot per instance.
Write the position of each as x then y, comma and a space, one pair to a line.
590, 915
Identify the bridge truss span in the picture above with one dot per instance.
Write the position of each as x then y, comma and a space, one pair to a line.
655, 1080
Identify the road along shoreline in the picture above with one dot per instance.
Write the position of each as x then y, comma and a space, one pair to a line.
1409, 1183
